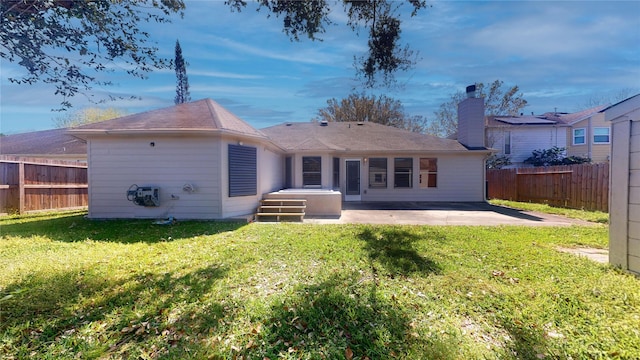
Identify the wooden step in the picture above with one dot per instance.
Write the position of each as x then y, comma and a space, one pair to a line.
279, 215
283, 202
283, 207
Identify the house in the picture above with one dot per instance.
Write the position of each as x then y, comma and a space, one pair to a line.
624, 197
199, 161
588, 134
49, 144
202, 161
584, 134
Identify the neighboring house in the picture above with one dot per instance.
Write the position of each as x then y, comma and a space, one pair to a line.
50, 144
624, 214
583, 134
208, 164
588, 134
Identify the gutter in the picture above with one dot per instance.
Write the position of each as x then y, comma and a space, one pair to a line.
83, 134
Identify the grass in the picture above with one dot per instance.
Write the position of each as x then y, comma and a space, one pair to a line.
592, 216
74, 288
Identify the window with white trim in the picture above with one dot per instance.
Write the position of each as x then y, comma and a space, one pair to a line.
336, 173
601, 135
403, 172
507, 142
378, 173
579, 136
311, 171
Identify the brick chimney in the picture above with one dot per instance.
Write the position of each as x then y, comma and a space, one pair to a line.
471, 120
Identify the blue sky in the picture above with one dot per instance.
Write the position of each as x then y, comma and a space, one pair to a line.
562, 55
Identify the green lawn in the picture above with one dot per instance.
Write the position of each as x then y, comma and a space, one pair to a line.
74, 288
592, 216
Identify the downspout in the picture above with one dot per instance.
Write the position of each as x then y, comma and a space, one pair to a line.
484, 178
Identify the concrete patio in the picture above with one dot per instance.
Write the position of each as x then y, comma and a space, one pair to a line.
437, 213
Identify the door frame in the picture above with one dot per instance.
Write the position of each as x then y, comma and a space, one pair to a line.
346, 181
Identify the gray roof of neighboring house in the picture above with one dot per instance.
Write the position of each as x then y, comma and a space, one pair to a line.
46, 142
550, 118
620, 102
575, 117
352, 136
520, 120
200, 116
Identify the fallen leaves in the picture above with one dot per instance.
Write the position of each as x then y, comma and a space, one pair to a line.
348, 354
501, 274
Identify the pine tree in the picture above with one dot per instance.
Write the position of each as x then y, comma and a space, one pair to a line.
182, 81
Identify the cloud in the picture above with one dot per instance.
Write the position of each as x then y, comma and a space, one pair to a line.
327, 88
259, 117
305, 55
221, 74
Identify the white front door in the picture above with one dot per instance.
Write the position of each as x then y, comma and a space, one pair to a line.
352, 187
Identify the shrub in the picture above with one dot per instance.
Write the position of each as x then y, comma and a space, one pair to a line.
554, 156
498, 161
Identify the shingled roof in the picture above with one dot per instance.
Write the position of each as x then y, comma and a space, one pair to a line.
43, 143
549, 118
199, 116
351, 136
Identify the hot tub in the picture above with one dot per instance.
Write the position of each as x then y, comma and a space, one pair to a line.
320, 202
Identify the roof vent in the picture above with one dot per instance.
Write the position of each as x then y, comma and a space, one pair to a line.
324, 123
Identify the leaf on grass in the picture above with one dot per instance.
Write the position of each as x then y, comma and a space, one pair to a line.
554, 335
497, 273
256, 329
348, 354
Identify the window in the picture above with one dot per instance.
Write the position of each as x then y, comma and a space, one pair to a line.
312, 171
242, 171
378, 173
428, 172
403, 176
579, 136
507, 142
336, 173
601, 135
288, 172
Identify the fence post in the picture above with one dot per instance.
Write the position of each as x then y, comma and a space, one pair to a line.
21, 199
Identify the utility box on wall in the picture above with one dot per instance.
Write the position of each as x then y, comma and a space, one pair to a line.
144, 195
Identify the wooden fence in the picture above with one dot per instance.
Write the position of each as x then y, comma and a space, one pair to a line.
29, 184
584, 186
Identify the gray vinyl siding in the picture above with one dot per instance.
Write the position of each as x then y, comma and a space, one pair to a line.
117, 163
525, 139
460, 178
624, 185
